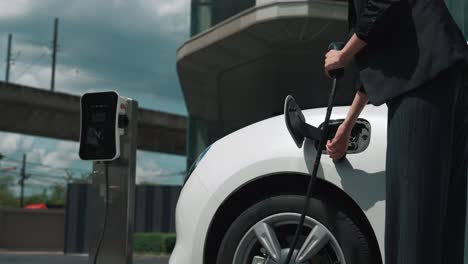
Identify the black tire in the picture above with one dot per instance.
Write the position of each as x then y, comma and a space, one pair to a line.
355, 245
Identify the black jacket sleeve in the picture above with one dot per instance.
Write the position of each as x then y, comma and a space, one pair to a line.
359, 87
371, 18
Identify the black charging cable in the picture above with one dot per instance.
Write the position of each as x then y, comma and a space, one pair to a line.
106, 212
335, 75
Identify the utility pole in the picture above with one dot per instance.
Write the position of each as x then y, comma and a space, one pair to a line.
23, 178
8, 60
54, 55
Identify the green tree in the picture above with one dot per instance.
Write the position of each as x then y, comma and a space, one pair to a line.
58, 196
35, 199
7, 198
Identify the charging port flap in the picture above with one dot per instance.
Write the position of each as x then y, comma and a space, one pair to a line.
296, 124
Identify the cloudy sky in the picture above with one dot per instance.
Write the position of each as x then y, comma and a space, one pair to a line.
128, 46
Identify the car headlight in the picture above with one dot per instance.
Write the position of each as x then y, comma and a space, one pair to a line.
195, 163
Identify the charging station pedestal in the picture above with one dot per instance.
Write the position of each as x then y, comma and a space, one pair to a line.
117, 239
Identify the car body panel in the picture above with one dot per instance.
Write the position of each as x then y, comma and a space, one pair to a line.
266, 148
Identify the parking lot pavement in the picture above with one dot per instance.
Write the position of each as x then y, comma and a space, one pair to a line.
51, 258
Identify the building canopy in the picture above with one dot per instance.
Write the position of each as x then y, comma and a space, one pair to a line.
240, 70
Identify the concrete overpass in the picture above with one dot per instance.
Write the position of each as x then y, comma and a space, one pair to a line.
40, 112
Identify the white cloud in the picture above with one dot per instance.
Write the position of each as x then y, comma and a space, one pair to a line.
171, 9
62, 155
67, 79
168, 8
151, 29
36, 155
26, 143
31, 74
15, 8
147, 171
157, 168
28, 49
136, 15
11, 143
170, 15
93, 34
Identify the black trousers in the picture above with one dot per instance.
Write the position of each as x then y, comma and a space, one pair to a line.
426, 172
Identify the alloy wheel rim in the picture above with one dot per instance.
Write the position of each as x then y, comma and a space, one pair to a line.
267, 242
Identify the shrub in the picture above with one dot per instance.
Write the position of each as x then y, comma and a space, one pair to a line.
156, 243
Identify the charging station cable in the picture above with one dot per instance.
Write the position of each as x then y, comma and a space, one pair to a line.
106, 211
335, 75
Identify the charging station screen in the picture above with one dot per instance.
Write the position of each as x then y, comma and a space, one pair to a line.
98, 126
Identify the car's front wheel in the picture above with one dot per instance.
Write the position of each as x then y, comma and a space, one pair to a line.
263, 233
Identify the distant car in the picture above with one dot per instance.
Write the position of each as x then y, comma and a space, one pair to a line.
242, 201
36, 206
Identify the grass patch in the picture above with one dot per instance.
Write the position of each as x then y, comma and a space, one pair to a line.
156, 243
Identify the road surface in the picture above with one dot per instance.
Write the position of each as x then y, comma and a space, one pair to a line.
52, 258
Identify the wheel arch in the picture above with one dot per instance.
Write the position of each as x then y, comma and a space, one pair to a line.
283, 183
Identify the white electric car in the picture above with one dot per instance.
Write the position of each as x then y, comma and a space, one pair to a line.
244, 195
242, 200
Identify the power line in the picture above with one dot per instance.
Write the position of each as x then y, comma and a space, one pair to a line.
15, 57
46, 174
34, 175
49, 176
43, 181
175, 173
168, 174
85, 171
124, 67
36, 43
47, 166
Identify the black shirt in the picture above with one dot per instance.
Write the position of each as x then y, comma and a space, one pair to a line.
408, 43
363, 19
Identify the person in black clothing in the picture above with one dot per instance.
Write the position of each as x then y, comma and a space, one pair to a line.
411, 55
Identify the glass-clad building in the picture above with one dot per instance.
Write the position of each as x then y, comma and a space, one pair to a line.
245, 56
205, 14
459, 10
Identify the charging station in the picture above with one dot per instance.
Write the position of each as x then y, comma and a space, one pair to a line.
109, 138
